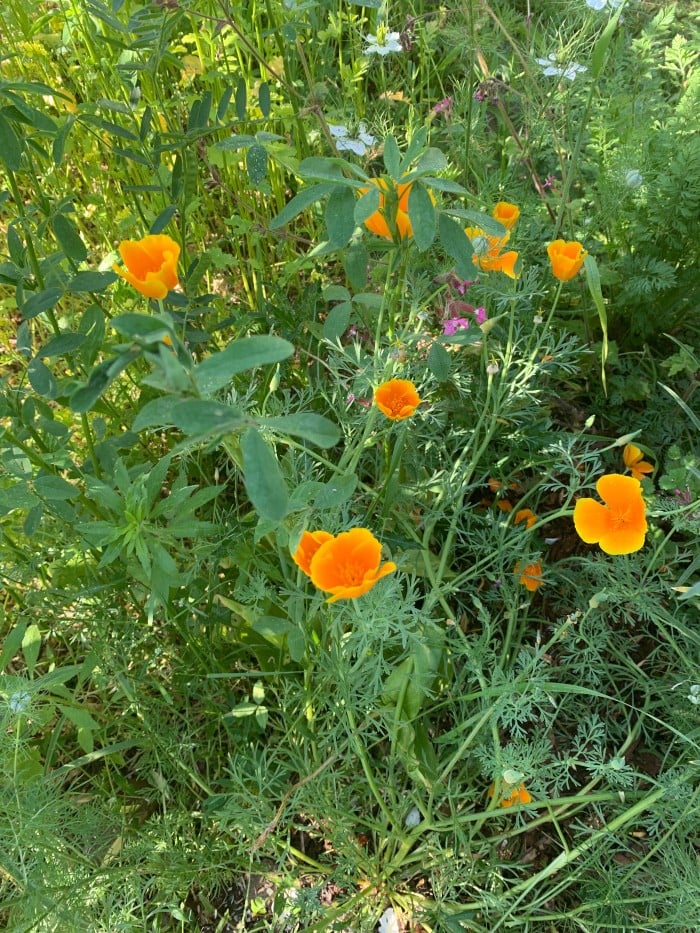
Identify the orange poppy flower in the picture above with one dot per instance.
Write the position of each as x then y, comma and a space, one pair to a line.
349, 565
635, 463
530, 576
619, 526
488, 252
377, 221
566, 258
527, 516
310, 542
506, 214
151, 264
397, 399
511, 794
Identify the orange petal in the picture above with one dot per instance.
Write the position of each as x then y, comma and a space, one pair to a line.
590, 520
618, 491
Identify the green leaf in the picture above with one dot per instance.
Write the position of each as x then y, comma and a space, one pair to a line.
133, 325
264, 99
422, 214
60, 345
31, 646
53, 487
340, 220
439, 362
593, 279
314, 428
42, 380
241, 100
79, 717
337, 321
262, 477
40, 302
163, 219
335, 492
324, 169
11, 644
91, 281
356, 261
68, 238
10, 146
159, 412
456, 244
199, 416
299, 203
601, 46
102, 376
431, 160
217, 370
392, 158
256, 163
367, 205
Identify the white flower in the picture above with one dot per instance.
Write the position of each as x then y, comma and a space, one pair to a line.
550, 67
596, 4
389, 922
633, 178
383, 43
413, 818
345, 143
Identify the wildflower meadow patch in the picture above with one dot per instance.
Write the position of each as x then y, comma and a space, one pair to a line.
350, 479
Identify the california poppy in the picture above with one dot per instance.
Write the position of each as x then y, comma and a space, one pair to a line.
506, 214
310, 542
566, 258
530, 576
151, 264
635, 463
488, 252
620, 525
527, 516
511, 794
397, 399
349, 565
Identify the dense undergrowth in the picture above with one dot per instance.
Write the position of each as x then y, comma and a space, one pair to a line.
497, 723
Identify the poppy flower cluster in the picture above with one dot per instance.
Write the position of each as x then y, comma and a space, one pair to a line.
488, 250
150, 264
397, 399
511, 794
618, 525
377, 222
346, 566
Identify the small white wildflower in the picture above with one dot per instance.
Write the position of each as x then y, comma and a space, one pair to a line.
596, 4
492, 369
383, 43
538, 319
345, 143
551, 68
389, 922
413, 818
633, 178
694, 695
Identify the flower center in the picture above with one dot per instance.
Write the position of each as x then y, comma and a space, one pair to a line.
619, 519
352, 573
